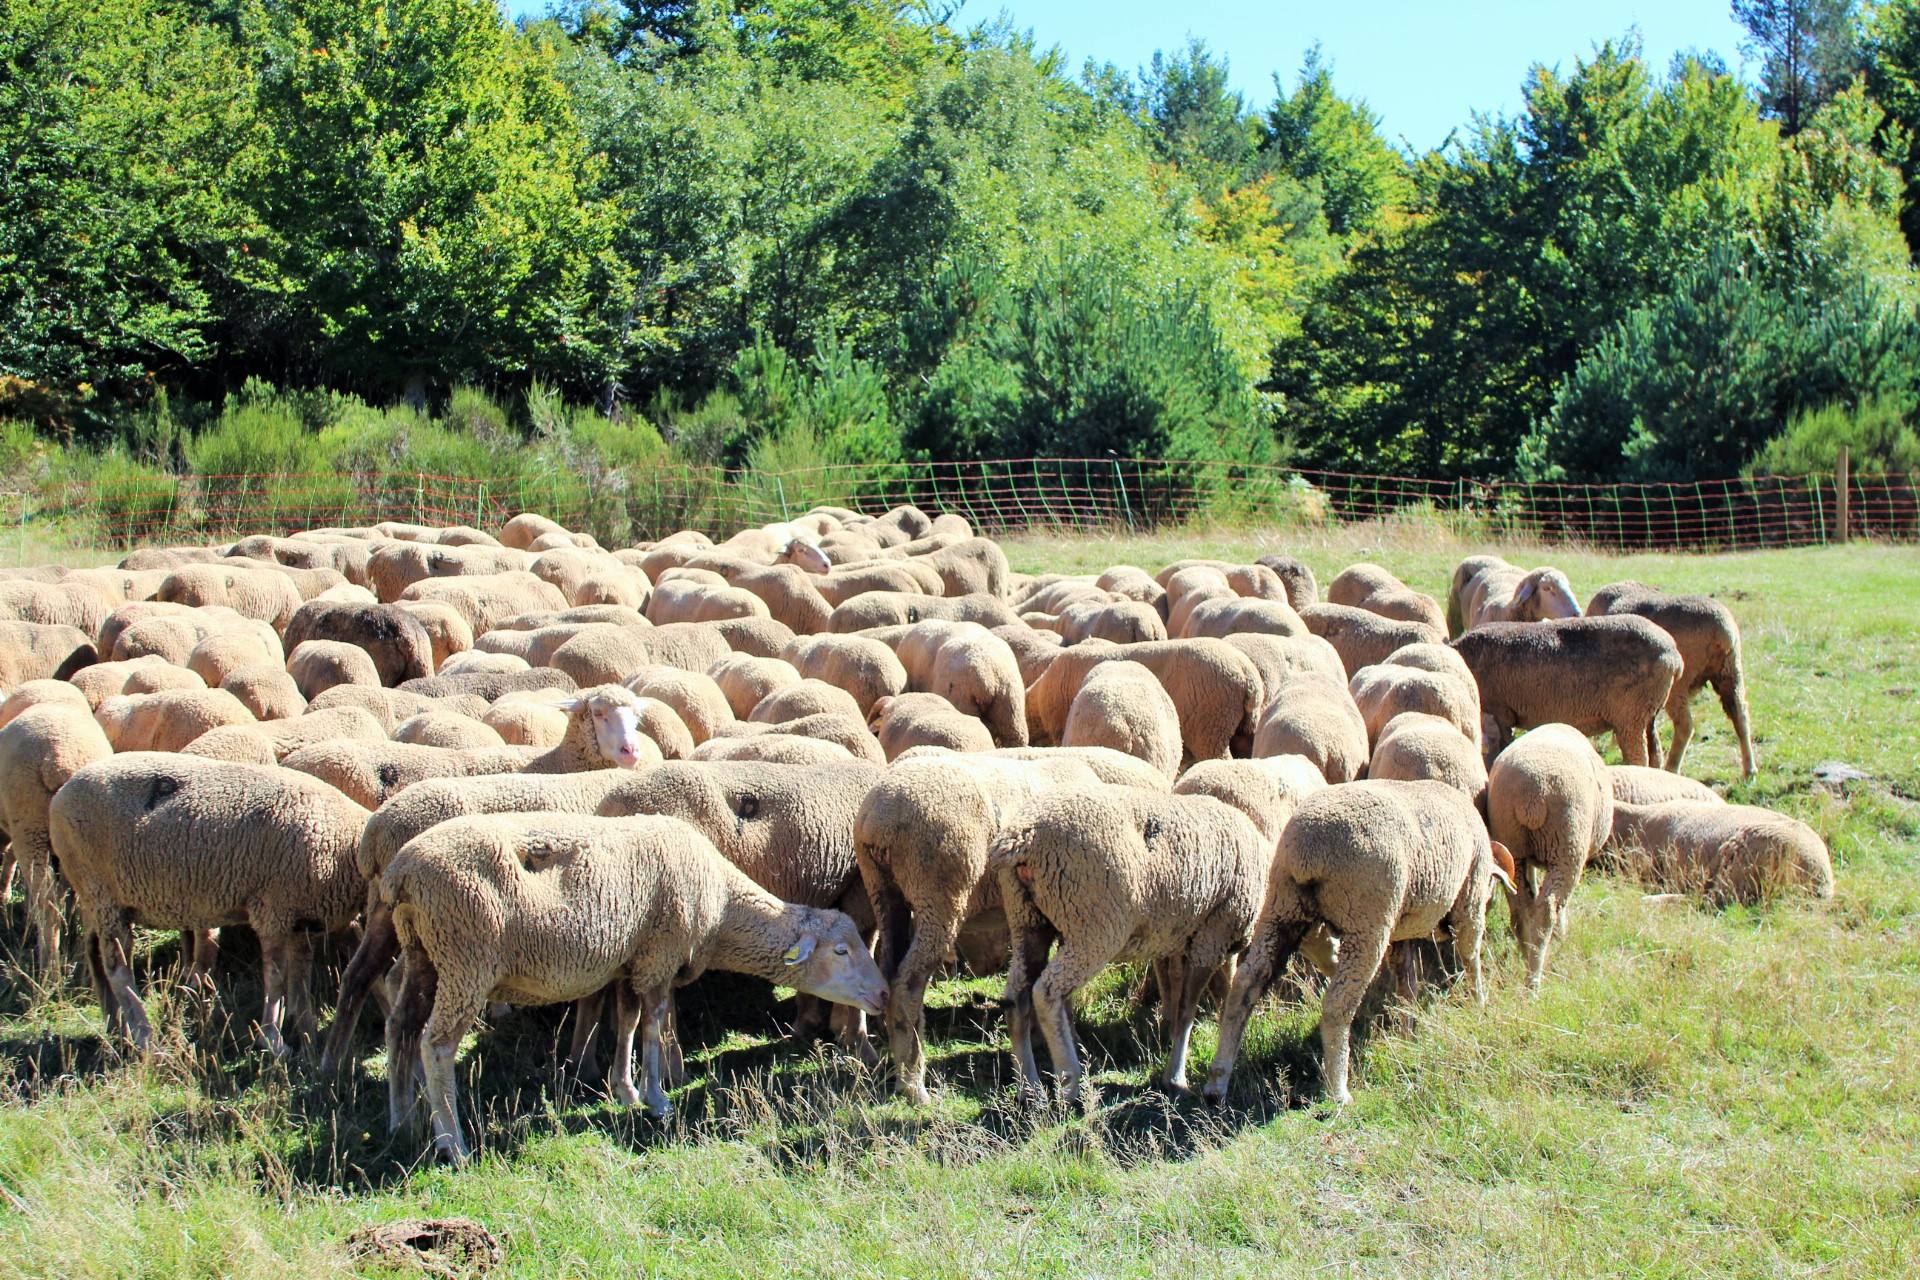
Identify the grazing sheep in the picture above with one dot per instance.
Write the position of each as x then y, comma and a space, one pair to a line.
1639, 784
837, 728
1121, 874
605, 732
528, 719
1549, 801
60, 604
1313, 715
807, 698
489, 686
1234, 615
1132, 582
394, 568
1302, 590
676, 599
863, 666
695, 697
970, 667
908, 720
1595, 674
448, 631
168, 720
1709, 642
1725, 852
40, 693
40, 749
1387, 689
397, 643
1122, 705
1375, 863
538, 908
1190, 587
1415, 745
148, 674
1033, 650
263, 595
1370, 587
176, 842
603, 655
447, 729
922, 837
36, 651
318, 665
1488, 589
224, 652
1364, 638
486, 600
874, 609
1115, 621
774, 748
391, 706
747, 681
1215, 688
275, 740
521, 531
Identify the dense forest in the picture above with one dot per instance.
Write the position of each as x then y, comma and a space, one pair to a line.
334, 233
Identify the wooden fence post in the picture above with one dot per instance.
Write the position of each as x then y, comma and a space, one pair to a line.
1843, 483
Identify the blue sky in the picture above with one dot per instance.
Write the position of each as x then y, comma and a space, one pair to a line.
1423, 65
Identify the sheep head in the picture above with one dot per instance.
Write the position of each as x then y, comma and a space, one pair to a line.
829, 959
615, 715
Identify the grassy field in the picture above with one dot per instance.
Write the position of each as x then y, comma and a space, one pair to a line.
1695, 1092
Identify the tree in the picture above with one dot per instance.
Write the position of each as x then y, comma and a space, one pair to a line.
1333, 144
1891, 51
1199, 122
1808, 53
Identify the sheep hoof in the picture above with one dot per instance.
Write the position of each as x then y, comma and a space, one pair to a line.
1215, 1094
451, 1151
626, 1095
659, 1111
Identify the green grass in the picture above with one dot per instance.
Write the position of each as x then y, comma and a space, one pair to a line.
1694, 1092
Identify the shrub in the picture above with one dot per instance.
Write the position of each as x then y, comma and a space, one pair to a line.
1879, 436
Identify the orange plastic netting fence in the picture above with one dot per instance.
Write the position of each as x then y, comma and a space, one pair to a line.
996, 496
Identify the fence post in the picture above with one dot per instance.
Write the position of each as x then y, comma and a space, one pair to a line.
480, 506
1843, 497
1819, 507
780, 487
1125, 505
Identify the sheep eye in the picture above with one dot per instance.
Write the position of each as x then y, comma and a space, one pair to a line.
840, 950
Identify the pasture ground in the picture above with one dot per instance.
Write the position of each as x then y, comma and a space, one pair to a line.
1695, 1092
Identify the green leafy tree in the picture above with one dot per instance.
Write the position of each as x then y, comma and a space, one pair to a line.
1891, 52
1807, 50
1200, 123
1317, 137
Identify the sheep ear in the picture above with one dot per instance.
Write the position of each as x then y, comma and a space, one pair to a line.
1503, 868
573, 704
801, 951
1527, 588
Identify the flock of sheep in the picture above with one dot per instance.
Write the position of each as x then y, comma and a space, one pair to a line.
841, 753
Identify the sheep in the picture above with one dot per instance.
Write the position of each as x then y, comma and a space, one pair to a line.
1414, 745
176, 842
448, 631
263, 595
275, 740
1642, 785
1370, 587
921, 838
1214, 686
1032, 649
1595, 674
474, 661
601, 655
539, 908
1364, 638
391, 706
604, 733
773, 748
1297, 577
807, 698
1313, 715
1376, 863
787, 591
588, 577
1488, 589
1121, 874
1709, 643
1116, 621
528, 719
897, 608
907, 720
395, 568
36, 651
39, 693
60, 604
447, 729
1550, 802
488, 685
40, 749
485, 600
223, 652
970, 667
1387, 689
827, 727
864, 667
760, 637
168, 720
397, 642
1224, 616
1279, 659
318, 665
1191, 586
746, 680
148, 674
677, 600
1727, 852
521, 530
694, 696
1123, 706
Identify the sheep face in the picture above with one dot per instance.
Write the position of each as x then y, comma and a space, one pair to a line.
616, 714
831, 961
806, 554
1545, 594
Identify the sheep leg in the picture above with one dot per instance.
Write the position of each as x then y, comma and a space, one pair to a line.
454, 1010
1076, 962
1031, 938
199, 949
1680, 711
9, 864
1469, 926
583, 1056
1550, 914
657, 1012
933, 937
1185, 981
116, 951
809, 1017
300, 989
419, 987
1274, 943
378, 946
1732, 692
626, 1018
90, 950
1361, 954
43, 909
273, 962
676, 1058
1633, 738
850, 1032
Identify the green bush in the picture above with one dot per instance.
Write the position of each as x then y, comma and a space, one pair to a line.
1879, 436
128, 501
